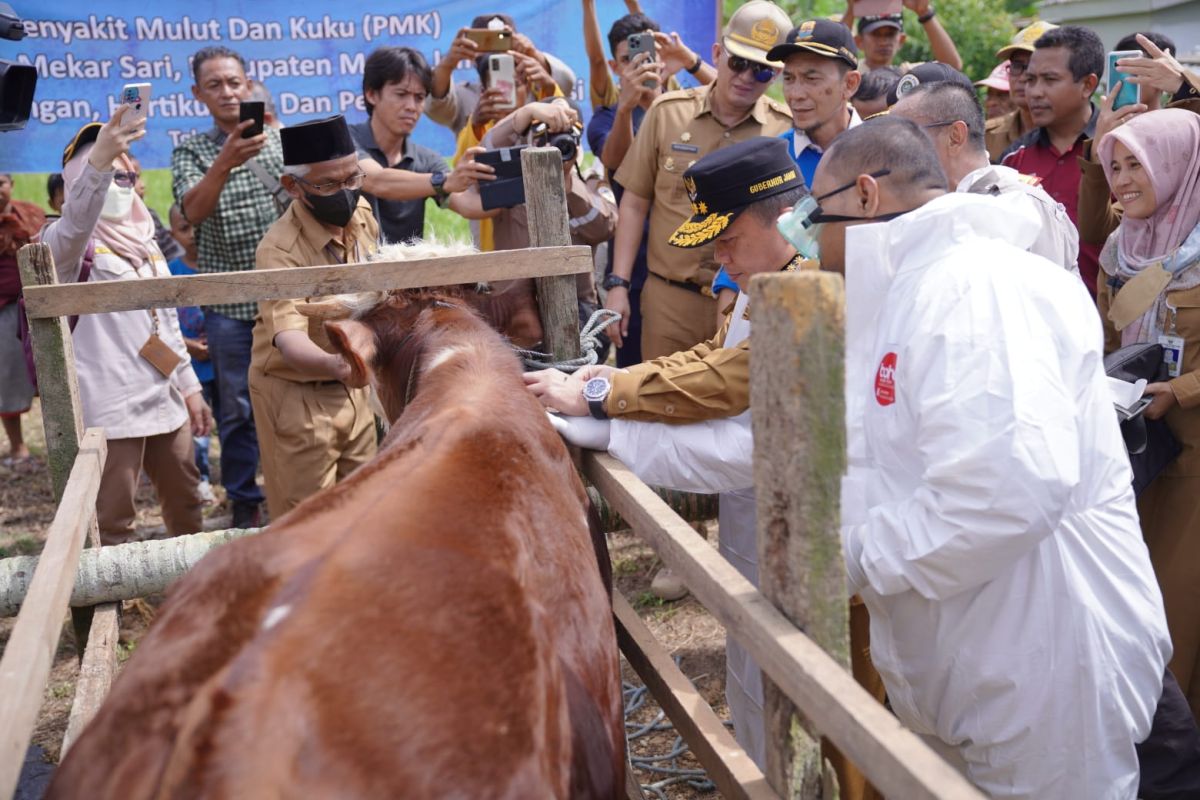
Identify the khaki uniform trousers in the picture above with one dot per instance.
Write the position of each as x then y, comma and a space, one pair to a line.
310, 436
171, 466
674, 319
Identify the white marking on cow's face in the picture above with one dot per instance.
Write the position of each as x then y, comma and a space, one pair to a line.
442, 356
275, 616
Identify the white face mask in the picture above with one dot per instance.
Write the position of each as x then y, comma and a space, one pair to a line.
117, 203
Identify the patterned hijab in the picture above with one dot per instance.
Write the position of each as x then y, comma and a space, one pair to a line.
1167, 144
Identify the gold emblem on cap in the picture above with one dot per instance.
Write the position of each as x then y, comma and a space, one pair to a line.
691, 163
685, 137
689, 183
765, 32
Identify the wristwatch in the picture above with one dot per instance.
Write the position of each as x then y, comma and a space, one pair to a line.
928, 15
695, 67
596, 392
612, 280
438, 181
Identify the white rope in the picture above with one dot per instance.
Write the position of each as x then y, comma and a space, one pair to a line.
589, 345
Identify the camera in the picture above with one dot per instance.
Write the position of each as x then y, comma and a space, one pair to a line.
567, 142
17, 81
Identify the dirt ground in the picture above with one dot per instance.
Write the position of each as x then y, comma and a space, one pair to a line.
684, 628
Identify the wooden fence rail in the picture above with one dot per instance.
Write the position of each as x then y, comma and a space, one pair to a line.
29, 654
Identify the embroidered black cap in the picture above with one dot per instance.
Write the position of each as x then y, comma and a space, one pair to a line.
316, 141
824, 37
723, 184
84, 136
929, 72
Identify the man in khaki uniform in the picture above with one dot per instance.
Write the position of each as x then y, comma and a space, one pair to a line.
678, 308
313, 430
1001, 132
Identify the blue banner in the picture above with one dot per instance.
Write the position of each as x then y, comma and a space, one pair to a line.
308, 54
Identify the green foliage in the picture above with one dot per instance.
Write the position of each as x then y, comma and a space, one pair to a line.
978, 27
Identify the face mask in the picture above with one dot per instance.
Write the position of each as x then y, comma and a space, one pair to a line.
335, 209
797, 227
118, 202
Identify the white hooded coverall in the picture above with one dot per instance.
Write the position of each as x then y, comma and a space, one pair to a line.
988, 518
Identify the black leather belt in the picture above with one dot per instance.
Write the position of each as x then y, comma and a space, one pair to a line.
691, 287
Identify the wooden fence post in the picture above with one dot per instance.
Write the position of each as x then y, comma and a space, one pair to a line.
58, 387
798, 419
549, 225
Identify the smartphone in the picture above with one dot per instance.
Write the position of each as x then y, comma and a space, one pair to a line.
508, 188
136, 95
1129, 91
643, 43
490, 41
255, 110
502, 75
878, 8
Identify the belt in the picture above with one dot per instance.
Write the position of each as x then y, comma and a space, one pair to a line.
691, 287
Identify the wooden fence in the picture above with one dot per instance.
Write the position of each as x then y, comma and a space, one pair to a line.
795, 627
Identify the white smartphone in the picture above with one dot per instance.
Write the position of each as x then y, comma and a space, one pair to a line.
136, 95
502, 75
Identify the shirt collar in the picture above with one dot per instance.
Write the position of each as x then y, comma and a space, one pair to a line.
758, 113
1089, 130
366, 139
802, 142
320, 237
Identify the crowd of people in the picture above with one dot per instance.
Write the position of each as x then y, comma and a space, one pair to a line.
1028, 615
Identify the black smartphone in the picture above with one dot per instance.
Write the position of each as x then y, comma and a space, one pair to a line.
643, 43
508, 189
255, 110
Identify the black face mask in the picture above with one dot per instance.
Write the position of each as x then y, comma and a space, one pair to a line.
335, 209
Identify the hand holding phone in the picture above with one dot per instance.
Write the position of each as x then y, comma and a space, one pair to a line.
502, 76
640, 43
490, 41
137, 97
252, 110
1128, 94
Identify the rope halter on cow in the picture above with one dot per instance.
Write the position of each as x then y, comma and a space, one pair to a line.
589, 345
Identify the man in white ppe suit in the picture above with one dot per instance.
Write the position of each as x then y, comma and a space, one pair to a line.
988, 517
953, 120
737, 193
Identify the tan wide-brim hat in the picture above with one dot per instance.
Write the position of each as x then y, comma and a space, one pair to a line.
754, 29
1024, 39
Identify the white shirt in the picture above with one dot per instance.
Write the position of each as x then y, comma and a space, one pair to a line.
120, 391
801, 142
988, 518
1057, 239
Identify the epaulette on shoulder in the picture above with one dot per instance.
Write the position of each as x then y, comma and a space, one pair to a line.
677, 95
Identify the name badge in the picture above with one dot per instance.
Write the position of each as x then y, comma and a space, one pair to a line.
1172, 353
684, 148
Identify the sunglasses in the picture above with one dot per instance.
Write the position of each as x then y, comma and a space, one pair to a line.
762, 73
125, 178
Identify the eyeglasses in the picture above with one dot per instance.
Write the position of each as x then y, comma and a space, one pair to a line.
762, 73
802, 225
939, 124
818, 215
126, 179
355, 181
1015, 68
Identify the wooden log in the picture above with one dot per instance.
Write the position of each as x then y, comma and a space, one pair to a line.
893, 758
735, 773
285, 284
118, 572
29, 654
96, 672
796, 380
550, 226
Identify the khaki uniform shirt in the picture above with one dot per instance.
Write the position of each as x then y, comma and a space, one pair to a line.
678, 130
297, 239
708, 381
1000, 132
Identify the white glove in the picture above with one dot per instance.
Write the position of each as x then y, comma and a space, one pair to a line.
582, 431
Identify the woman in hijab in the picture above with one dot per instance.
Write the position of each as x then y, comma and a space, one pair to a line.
135, 377
1150, 292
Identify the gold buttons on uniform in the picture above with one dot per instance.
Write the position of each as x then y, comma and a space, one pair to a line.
669, 166
670, 409
725, 134
621, 404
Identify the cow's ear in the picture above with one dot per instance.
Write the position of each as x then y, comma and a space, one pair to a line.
355, 342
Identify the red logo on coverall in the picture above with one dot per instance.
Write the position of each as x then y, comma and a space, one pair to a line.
885, 381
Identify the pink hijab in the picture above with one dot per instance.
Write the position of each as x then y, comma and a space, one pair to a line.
132, 238
1167, 144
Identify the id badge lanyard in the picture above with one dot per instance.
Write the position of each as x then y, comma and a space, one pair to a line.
1172, 344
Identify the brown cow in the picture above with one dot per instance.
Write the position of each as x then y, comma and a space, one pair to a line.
434, 626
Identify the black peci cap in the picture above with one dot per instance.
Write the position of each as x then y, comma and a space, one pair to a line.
316, 141
823, 37
723, 184
929, 72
